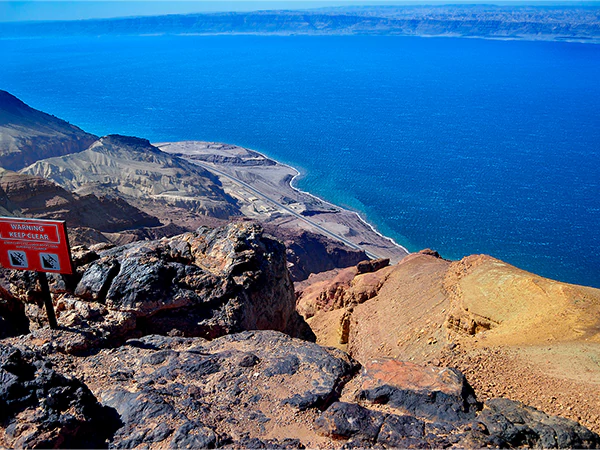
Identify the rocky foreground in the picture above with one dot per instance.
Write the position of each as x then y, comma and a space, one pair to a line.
188, 342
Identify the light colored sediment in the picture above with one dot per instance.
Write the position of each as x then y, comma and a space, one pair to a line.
263, 188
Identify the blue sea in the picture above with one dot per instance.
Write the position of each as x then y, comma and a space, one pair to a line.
461, 145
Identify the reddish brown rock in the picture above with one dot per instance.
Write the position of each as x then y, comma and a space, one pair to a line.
309, 253
431, 392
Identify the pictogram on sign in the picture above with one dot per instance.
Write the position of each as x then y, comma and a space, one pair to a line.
34, 244
17, 259
50, 261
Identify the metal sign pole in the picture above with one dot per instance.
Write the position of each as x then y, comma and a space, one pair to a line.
47, 300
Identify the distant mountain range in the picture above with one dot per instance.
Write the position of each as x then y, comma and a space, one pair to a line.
580, 23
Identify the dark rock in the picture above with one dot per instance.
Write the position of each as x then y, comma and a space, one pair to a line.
98, 279
82, 256
204, 284
13, 321
42, 408
161, 391
346, 420
248, 360
160, 433
372, 265
255, 443
178, 381
193, 435
513, 424
287, 365
402, 432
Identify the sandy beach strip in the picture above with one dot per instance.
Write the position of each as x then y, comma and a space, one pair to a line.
265, 191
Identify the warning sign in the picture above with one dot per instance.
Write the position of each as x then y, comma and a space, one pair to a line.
34, 244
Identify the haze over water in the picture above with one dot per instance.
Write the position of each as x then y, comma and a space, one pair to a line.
461, 145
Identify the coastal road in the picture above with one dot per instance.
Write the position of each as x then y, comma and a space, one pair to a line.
282, 207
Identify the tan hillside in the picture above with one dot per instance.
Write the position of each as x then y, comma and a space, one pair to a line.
40, 198
518, 307
139, 173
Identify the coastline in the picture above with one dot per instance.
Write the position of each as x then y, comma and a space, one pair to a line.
265, 189
525, 38
361, 218
532, 38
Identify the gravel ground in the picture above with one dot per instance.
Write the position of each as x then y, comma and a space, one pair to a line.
505, 373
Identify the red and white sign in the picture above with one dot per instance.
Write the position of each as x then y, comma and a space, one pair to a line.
34, 244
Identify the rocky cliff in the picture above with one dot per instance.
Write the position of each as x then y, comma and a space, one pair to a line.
28, 135
141, 174
309, 253
207, 283
177, 343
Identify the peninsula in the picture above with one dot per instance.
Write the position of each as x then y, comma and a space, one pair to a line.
265, 192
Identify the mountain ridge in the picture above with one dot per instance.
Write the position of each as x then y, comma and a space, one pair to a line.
139, 172
27, 134
180, 341
488, 21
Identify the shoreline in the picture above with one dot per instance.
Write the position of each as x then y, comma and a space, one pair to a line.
361, 218
265, 188
533, 38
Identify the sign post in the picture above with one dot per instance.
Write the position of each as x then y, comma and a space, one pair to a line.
39, 245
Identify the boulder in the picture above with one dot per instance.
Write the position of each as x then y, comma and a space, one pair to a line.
433, 393
404, 405
372, 265
208, 283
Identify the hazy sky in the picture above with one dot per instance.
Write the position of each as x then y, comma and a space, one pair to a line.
11, 11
